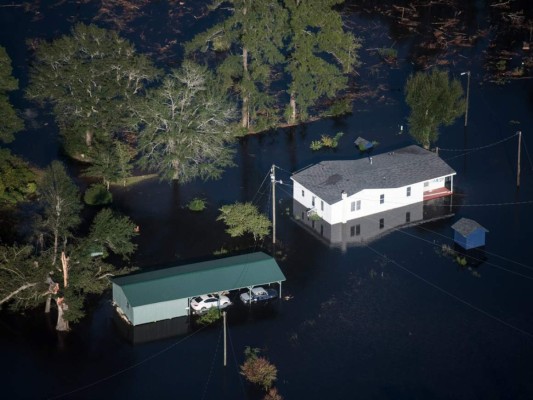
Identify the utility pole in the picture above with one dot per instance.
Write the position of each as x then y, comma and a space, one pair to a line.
518, 163
225, 352
467, 94
273, 180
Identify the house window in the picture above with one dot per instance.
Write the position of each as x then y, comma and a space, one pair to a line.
302, 215
358, 205
321, 230
313, 201
408, 217
381, 198
352, 209
381, 223
357, 230
313, 223
408, 191
303, 193
426, 184
352, 231
321, 205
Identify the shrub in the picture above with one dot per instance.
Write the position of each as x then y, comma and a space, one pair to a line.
212, 315
97, 194
326, 141
196, 204
258, 370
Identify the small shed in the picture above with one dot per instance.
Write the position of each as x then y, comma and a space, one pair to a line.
469, 234
164, 294
363, 144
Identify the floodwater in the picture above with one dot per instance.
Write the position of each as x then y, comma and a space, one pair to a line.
394, 318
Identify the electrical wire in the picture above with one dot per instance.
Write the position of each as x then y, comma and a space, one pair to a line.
212, 364
236, 363
487, 314
120, 372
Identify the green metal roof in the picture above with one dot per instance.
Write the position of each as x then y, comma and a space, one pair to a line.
200, 278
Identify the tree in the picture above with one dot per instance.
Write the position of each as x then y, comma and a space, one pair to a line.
60, 199
255, 31
17, 180
92, 77
112, 164
10, 122
29, 279
434, 100
185, 130
321, 54
242, 218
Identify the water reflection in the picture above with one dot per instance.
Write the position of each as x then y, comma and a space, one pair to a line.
360, 231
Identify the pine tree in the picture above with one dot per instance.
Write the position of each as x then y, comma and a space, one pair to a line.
434, 100
10, 122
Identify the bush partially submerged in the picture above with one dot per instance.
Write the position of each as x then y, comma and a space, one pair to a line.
97, 194
326, 141
258, 370
196, 204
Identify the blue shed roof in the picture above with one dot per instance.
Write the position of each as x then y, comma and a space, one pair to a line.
467, 226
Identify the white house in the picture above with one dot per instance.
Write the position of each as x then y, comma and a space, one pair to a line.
339, 191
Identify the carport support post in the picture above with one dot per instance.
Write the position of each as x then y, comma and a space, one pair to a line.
224, 319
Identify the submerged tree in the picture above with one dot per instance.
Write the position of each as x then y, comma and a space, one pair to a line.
17, 180
434, 100
321, 54
185, 127
251, 38
31, 276
242, 218
10, 122
92, 77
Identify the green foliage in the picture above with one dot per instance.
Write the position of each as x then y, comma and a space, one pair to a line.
60, 199
210, 316
97, 195
22, 276
17, 181
113, 232
434, 100
321, 53
111, 163
339, 107
461, 261
242, 218
326, 141
92, 77
196, 204
185, 129
221, 251
389, 54
258, 370
10, 122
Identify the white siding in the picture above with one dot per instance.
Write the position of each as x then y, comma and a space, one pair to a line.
307, 201
121, 301
433, 184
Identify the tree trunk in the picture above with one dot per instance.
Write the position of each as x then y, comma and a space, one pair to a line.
47, 304
245, 100
293, 108
88, 138
61, 325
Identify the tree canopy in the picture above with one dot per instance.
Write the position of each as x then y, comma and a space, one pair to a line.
185, 130
91, 77
242, 218
30, 274
10, 122
264, 45
434, 100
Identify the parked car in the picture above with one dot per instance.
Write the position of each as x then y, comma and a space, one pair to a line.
258, 294
207, 301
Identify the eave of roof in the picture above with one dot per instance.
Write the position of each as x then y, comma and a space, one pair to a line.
402, 167
200, 278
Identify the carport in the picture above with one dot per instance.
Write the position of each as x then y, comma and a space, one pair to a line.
165, 293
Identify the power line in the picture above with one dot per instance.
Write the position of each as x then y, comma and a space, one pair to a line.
481, 147
236, 365
509, 325
260, 186
120, 372
212, 366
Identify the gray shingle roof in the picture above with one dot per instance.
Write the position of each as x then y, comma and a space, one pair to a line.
466, 226
405, 166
